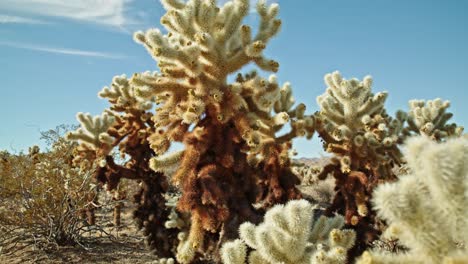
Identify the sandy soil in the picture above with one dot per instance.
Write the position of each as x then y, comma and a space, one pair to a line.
125, 246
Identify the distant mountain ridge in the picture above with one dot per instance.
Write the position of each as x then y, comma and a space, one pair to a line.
320, 162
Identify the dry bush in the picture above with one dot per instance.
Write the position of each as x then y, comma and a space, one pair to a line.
43, 197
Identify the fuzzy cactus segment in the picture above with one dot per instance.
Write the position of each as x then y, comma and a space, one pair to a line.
289, 234
122, 95
93, 131
426, 209
430, 118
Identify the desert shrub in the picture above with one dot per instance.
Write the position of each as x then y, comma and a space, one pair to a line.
42, 196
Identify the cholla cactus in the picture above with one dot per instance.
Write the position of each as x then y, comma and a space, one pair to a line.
427, 210
354, 126
93, 132
184, 251
233, 155
123, 97
289, 234
430, 119
126, 125
220, 123
163, 261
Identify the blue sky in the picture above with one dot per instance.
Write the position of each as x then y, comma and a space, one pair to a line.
56, 55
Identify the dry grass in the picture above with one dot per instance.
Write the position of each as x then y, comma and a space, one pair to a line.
112, 245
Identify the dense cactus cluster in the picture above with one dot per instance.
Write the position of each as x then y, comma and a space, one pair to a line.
426, 209
354, 126
290, 234
236, 130
125, 125
430, 118
233, 154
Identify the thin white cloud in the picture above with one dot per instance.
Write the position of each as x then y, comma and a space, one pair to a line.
6, 19
105, 12
75, 52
